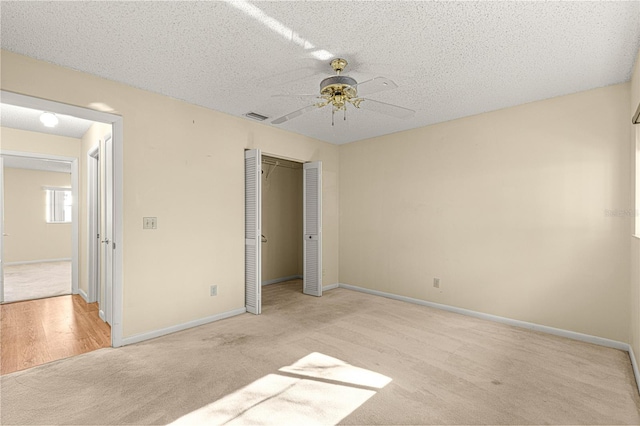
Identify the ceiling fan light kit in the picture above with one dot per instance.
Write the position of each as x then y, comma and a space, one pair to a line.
341, 90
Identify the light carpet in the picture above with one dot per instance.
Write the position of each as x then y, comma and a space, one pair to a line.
36, 280
388, 362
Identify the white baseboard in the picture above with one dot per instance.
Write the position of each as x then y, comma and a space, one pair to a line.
163, 331
101, 315
330, 287
634, 365
83, 295
29, 262
516, 323
282, 279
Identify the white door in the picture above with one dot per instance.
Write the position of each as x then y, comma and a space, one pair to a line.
108, 226
252, 230
93, 225
1, 228
312, 222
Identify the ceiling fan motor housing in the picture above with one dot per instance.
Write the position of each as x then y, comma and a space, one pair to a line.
339, 85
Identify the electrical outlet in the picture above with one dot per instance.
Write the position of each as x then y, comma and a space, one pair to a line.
149, 222
214, 290
436, 282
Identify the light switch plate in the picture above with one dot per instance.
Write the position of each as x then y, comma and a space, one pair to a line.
149, 222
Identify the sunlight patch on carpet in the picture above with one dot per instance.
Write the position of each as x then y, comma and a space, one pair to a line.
325, 367
284, 400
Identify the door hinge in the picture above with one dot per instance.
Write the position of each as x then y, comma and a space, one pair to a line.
114, 246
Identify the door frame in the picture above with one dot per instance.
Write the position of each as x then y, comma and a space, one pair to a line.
74, 208
117, 124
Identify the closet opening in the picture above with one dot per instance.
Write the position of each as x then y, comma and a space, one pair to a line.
282, 228
291, 232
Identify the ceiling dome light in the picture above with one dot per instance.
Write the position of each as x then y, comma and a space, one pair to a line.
49, 119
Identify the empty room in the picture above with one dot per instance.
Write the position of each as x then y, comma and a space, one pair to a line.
332, 212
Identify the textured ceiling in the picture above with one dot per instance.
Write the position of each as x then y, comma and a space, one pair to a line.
449, 59
29, 119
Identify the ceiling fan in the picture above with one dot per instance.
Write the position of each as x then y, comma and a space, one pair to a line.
341, 90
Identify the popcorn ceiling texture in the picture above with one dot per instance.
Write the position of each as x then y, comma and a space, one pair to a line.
451, 59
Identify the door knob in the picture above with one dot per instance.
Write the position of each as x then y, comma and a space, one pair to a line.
106, 241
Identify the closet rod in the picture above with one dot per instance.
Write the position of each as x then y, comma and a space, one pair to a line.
282, 164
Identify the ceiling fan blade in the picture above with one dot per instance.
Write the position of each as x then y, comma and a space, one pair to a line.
384, 108
294, 114
297, 96
375, 85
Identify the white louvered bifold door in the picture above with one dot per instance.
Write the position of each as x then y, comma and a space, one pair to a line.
312, 220
252, 231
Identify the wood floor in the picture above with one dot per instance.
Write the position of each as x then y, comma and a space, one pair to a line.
35, 332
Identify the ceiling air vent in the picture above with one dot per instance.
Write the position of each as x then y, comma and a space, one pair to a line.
256, 116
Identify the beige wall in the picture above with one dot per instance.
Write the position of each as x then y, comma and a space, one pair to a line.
635, 241
506, 208
281, 222
40, 143
184, 165
30, 237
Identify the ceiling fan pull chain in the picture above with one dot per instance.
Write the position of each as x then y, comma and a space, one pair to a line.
333, 112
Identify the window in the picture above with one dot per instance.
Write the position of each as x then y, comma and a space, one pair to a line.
59, 205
